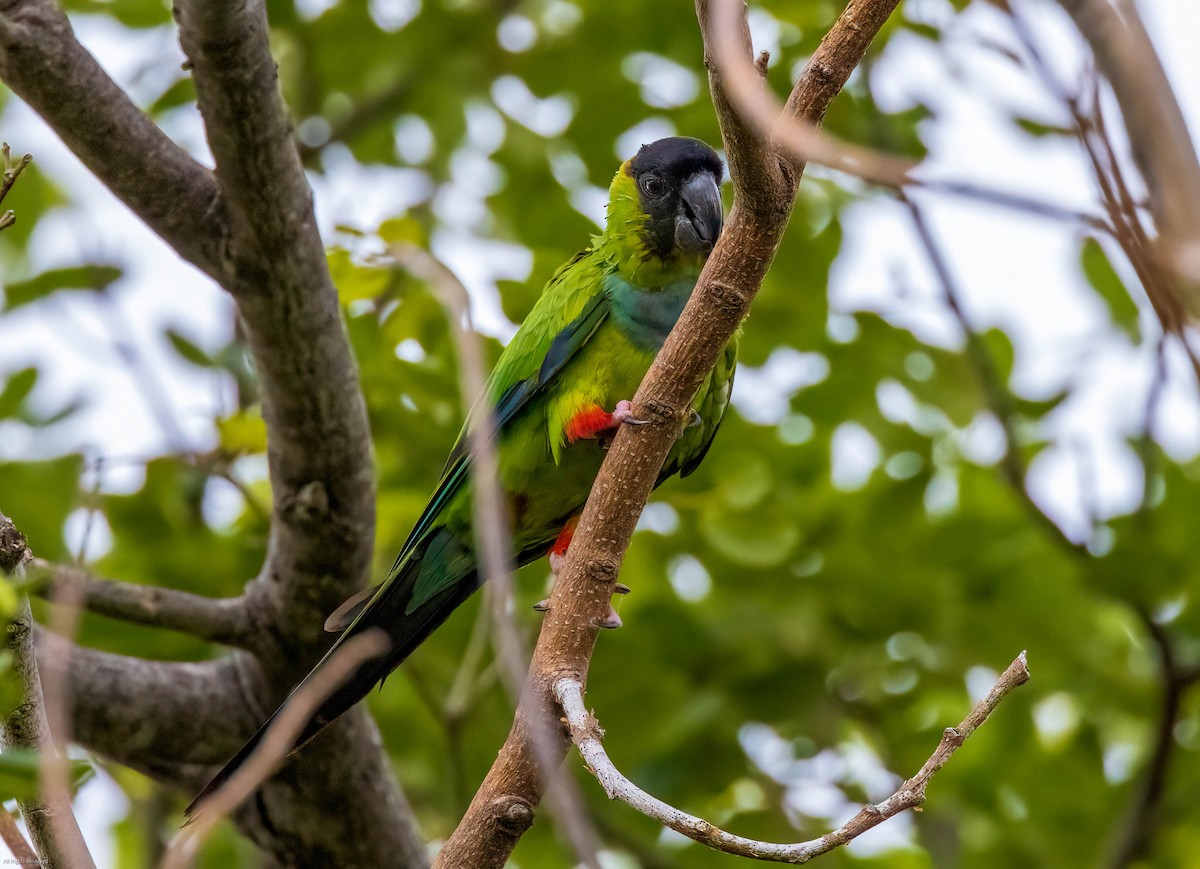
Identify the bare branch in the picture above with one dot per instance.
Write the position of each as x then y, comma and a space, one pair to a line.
18, 846
1010, 200
754, 118
586, 733
760, 120
1135, 835
45, 65
1126, 218
54, 774
1162, 146
48, 817
250, 226
278, 742
216, 620
995, 391
138, 712
502, 807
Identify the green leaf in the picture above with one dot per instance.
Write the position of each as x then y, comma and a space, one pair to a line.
16, 390
1000, 349
88, 277
355, 282
243, 432
1040, 130
20, 771
189, 351
39, 496
922, 29
1098, 269
8, 599
180, 93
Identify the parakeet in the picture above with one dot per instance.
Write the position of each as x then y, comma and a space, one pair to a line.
561, 385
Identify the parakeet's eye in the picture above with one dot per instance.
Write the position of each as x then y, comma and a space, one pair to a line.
652, 185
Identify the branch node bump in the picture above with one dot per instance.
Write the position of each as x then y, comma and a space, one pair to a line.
309, 506
601, 569
727, 297
13, 545
659, 412
512, 815
590, 730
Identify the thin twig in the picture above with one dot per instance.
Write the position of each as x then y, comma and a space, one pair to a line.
55, 672
495, 540
1135, 835
276, 744
11, 172
585, 731
218, 620
1013, 201
1158, 134
995, 391
43, 63
794, 136
803, 141
17, 844
48, 817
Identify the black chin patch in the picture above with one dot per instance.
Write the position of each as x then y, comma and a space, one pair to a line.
672, 162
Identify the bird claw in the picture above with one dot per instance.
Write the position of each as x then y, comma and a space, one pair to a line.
611, 621
542, 606
557, 559
621, 588
695, 420
623, 414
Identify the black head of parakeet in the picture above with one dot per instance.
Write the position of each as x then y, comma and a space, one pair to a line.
678, 182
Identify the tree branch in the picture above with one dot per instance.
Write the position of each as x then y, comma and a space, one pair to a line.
278, 742
48, 817
250, 226
995, 390
586, 733
319, 444
15, 840
759, 119
1135, 835
1158, 133
319, 450
502, 807
43, 64
138, 712
223, 620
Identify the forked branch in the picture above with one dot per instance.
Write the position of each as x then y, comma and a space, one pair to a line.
586, 733
218, 620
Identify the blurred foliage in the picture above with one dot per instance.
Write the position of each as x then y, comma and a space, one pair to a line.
777, 618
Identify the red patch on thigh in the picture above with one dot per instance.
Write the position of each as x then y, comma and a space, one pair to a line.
588, 423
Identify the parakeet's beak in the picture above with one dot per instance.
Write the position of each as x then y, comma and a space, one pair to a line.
699, 220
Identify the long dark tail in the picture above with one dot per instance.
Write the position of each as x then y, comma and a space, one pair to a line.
405, 632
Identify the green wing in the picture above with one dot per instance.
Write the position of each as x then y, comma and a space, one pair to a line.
571, 308
710, 404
